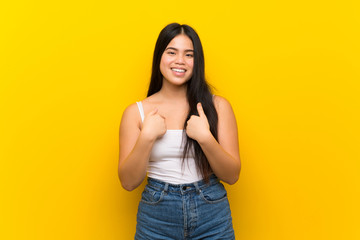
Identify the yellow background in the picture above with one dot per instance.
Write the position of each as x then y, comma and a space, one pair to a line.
290, 69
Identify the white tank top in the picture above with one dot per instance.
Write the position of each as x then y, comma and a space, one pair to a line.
165, 161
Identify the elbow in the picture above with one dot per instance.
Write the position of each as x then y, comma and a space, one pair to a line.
235, 177
128, 187
233, 180
128, 181
125, 184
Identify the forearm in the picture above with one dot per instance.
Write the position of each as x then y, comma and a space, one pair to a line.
132, 170
225, 166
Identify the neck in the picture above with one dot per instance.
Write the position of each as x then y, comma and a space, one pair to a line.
173, 93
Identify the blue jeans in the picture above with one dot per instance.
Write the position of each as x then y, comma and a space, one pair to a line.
185, 211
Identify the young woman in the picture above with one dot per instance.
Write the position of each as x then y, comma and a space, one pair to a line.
185, 140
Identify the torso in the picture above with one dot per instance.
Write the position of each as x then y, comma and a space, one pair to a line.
165, 161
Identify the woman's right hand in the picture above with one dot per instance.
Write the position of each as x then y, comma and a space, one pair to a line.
154, 125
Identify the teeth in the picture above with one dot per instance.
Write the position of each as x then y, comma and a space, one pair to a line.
178, 70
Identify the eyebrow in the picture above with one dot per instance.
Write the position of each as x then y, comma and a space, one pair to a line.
186, 50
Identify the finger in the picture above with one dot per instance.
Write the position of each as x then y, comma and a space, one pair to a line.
158, 113
154, 111
161, 116
201, 110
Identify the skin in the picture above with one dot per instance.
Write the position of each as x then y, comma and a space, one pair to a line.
167, 109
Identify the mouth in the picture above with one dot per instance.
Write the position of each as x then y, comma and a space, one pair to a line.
179, 70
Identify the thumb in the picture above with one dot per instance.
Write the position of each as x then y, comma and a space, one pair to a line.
154, 111
200, 110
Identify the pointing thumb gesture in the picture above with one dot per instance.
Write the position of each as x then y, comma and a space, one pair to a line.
198, 127
154, 124
201, 111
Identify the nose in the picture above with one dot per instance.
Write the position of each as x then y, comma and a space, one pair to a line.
180, 59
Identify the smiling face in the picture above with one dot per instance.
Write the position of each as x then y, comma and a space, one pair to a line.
177, 61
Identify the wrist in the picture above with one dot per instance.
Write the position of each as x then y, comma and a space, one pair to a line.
205, 137
147, 136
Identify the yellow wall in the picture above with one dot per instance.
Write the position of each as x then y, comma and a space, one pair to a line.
291, 70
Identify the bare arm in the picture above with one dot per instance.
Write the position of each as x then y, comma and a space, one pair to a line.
136, 146
223, 156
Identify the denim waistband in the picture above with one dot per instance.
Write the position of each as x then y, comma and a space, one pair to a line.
186, 187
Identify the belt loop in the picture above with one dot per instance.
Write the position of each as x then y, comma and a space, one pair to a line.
166, 187
197, 187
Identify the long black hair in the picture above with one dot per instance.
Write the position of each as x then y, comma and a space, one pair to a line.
198, 90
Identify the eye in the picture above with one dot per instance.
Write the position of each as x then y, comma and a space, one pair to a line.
171, 52
189, 55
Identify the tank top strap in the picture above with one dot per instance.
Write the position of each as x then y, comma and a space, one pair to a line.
141, 110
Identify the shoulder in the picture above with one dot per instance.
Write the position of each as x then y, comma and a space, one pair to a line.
131, 109
221, 103
131, 115
227, 126
224, 109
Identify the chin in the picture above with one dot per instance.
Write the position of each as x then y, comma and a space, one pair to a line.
177, 82
180, 83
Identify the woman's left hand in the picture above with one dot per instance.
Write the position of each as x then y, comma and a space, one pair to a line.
198, 127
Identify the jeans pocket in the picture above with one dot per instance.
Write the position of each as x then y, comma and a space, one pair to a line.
214, 193
151, 196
